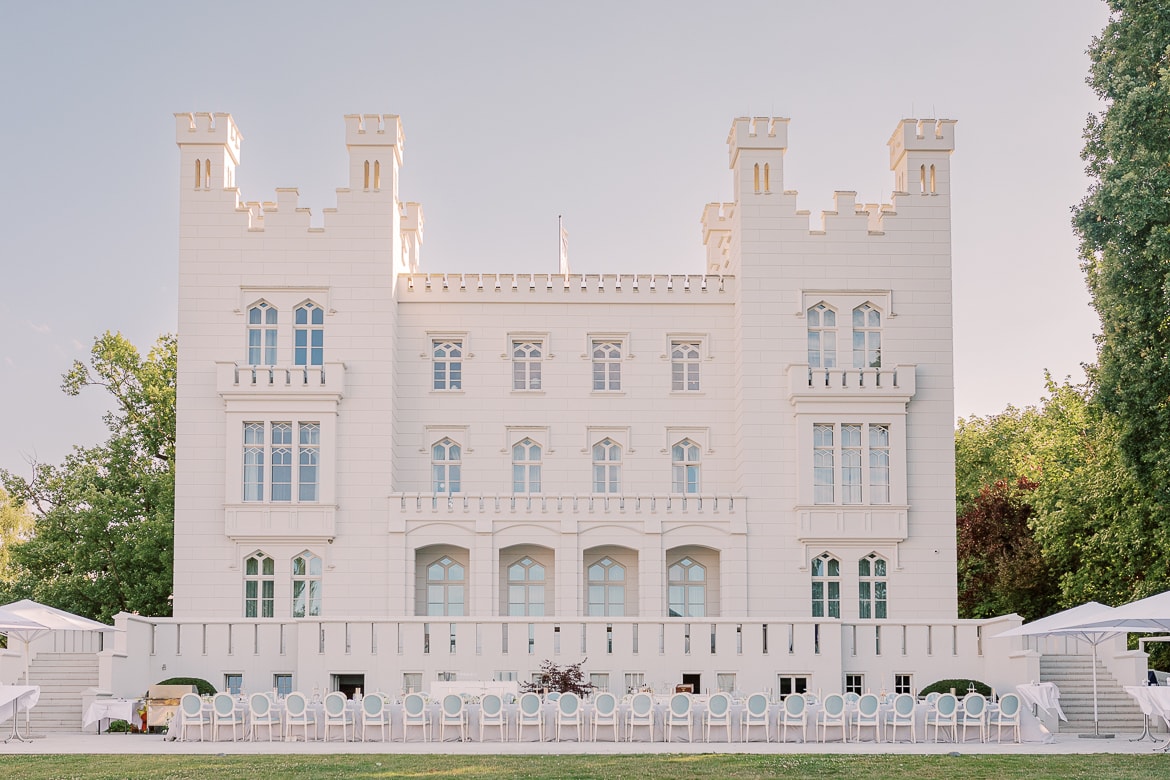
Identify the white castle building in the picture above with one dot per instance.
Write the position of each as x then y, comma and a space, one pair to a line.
739, 476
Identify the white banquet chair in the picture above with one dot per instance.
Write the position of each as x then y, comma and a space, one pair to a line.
605, 714
719, 714
679, 714
530, 714
868, 716
795, 713
336, 715
833, 715
1008, 715
569, 714
944, 715
375, 713
453, 712
974, 713
902, 716
415, 715
224, 713
491, 714
756, 713
261, 714
641, 714
193, 715
297, 715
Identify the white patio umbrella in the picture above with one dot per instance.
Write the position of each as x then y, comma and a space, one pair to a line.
16, 626
1072, 623
1148, 614
40, 619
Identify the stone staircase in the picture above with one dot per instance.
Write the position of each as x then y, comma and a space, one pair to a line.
1073, 675
62, 677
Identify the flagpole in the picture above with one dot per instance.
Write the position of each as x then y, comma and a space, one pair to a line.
560, 239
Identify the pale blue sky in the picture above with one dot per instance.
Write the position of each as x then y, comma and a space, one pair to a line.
611, 113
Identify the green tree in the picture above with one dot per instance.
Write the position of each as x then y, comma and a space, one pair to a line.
103, 539
15, 525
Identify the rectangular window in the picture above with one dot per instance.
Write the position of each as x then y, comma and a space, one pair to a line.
233, 683
253, 461
308, 455
447, 364
857, 456
851, 464
282, 459
684, 366
879, 464
787, 684
855, 683
823, 464
903, 683
725, 682
600, 681
635, 681
526, 362
292, 470
282, 684
607, 365
411, 682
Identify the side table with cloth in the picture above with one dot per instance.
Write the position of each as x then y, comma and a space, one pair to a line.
15, 699
1044, 695
107, 710
1154, 701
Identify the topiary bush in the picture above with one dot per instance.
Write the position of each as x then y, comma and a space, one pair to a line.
962, 687
205, 688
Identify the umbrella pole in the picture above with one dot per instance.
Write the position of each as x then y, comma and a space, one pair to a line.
1096, 720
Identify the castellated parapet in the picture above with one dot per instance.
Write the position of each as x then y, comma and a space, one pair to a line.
203, 127
761, 132
375, 130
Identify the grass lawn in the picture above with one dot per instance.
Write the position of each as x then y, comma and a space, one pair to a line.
643, 767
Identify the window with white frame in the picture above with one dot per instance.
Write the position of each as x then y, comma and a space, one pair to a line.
867, 337
412, 682
527, 357
526, 588
607, 466
684, 366
822, 336
273, 444
282, 684
855, 683
306, 585
684, 466
606, 587
687, 588
600, 681
852, 445
308, 335
259, 586
635, 681
526, 462
826, 586
788, 684
607, 364
725, 682
903, 683
871, 587
233, 683
262, 335
445, 467
445, 587
447, 364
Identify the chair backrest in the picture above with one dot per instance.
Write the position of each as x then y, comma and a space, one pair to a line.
1009, 705
867, 705
680, 704
192, 705
605, 704
569, 703
946, 705
259, 704
852, 698
295, 704
757, 705
834, 705
794, 704
718, 705
372, 706
932, 698
973, 705
491, 704
413, 705
904, 704
334, 704
224, 704
641, 705
554, 696
530, 705
452, 705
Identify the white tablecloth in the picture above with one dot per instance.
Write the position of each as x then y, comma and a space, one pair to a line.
1153, 699
12, 697
110, 709
1045, 695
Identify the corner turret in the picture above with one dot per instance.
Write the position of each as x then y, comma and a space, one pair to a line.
756, 149
209, 151
920, 151
375, 152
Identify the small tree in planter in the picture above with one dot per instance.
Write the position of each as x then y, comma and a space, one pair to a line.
561, 679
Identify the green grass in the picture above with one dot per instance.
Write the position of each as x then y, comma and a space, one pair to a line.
641, 767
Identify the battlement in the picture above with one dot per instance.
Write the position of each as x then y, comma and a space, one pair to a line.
921, 135
374, 130
209, 128
759, 132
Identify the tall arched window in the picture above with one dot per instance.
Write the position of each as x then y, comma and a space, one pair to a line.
306, 585
606, 587
871, 585
308, 461
822, 336
767, 178
259, 586
366, 176
867, 337
823, 464
932, 190
687, 588
607, 365
756, 177
308, 335
282, 461
607, 466
684, 465
685, 360
198, 176
377, 174
262, 335
526, 581
446, 581
526, 459
445, 461
826, 586
526, 363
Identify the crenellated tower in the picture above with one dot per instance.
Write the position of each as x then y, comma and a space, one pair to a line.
375, 143
920, 154
209, 145
756, 149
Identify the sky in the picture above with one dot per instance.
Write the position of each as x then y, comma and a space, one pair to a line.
612, 114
